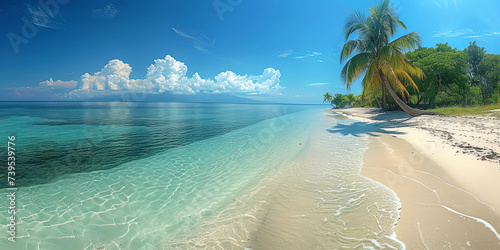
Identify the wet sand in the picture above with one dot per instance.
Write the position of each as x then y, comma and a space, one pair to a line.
449, 197
437, 211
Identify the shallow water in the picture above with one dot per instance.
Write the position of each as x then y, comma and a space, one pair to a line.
214, 190
54, 139
316, 200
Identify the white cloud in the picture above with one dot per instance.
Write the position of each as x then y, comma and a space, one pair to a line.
454, 33
58, 84
200, 42
307, 56
169, 75
285, 53
267, 83
484, 34
109, 11
317, 84
466, 33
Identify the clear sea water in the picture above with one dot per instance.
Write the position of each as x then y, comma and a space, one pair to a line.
57, 138
143, 175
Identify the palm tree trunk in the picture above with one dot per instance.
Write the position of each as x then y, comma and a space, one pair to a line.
409, 110
378, 103
383, 99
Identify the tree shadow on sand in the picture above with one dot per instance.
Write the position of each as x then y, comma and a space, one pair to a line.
358, 129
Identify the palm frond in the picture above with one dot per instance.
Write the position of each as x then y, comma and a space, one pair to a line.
355, 21
407, 42
396, 20
376, 55
394, 80
405, 77
349, 47
354, 68
414, 71
371, 75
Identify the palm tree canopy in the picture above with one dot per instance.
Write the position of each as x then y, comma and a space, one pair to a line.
327, 97
373, 53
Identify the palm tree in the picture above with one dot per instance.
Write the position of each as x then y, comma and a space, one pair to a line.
382, 62
327, 97
351, 99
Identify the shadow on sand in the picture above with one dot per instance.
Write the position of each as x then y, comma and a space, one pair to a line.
361, 128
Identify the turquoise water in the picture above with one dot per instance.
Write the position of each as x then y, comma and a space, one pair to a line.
166, 175
55, 139
141, 174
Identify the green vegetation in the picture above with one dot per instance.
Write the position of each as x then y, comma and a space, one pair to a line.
468, 77
477, 110
327, 97
383, 62
349, 100
339, 100
425, 78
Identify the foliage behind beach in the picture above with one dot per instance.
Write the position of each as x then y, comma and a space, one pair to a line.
466, 78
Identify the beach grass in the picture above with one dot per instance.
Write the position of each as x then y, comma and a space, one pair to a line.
475, 110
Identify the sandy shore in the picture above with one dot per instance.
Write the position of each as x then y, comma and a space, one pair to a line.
446, 172
474, 135
355, 179
316, 200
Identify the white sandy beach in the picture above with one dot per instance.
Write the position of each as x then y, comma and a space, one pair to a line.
446, 172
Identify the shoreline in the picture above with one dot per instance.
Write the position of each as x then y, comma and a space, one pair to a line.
311, 207
448, 198
361, 182
317, 200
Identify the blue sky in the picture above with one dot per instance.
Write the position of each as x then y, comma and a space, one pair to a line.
279, 51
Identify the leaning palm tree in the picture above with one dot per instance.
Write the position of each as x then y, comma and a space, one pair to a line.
327, 97
383, 62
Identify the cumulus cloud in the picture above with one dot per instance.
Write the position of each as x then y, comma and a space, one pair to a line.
113, 77
51, 84
229, 82
168, 75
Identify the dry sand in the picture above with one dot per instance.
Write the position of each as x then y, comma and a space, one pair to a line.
446, 172
475, 135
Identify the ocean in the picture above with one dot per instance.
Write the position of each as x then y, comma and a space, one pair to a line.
130, 175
